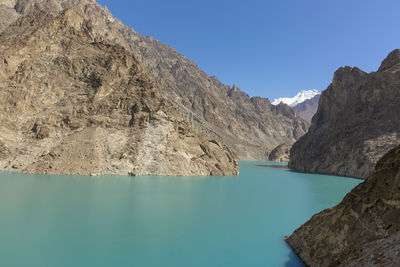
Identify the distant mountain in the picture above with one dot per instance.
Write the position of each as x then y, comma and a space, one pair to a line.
357, 122
249, 126
298, 99
308, 108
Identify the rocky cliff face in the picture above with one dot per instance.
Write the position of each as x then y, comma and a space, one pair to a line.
356, 122
250, 126
71, 102
363, 230
280, 154
308, 108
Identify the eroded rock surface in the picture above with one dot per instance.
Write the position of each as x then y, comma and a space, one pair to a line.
357, 122
7, 14
71, 102
363, 230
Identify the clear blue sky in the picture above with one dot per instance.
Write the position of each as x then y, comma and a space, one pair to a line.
270, 48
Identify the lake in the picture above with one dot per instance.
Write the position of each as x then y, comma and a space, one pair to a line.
151, 221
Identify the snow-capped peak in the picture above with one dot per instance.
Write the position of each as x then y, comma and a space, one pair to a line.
299, 98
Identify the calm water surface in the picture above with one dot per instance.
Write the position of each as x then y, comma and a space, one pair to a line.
160, 221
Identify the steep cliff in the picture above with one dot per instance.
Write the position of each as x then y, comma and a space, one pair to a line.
356, 122
74, 103
363, 230
250, 126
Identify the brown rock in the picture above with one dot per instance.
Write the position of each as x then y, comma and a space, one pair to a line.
363, 230
73, 103
7, 14
280, 154
250, 126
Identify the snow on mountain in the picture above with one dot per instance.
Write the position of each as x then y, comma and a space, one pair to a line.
299, 98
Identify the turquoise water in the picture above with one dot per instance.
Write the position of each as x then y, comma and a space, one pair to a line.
160, 221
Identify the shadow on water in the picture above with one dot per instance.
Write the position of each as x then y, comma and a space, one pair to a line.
273, 166
294, 261
326, 174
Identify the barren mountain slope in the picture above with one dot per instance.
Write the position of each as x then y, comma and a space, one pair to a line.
72, 103
251, 126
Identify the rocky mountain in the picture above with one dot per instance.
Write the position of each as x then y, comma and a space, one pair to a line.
250, 126
297, 99
356, 122
363, 230
308, 108
280, 154
72, 102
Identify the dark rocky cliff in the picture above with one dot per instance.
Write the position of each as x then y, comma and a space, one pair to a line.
363, 230
357, 122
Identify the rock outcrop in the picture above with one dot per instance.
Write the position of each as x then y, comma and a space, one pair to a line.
363, 230
250, 126
280, 154
308, 108
356, 122
7, 14
71, 102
